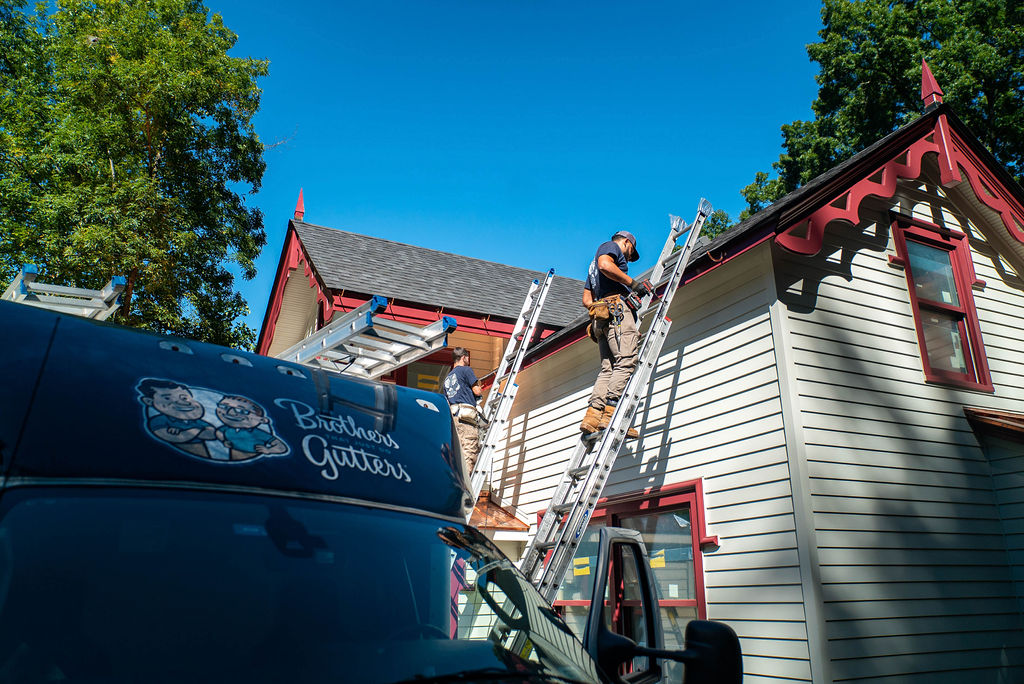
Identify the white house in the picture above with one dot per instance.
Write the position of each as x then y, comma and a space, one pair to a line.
831, 458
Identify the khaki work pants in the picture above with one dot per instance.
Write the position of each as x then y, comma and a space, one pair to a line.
617, 345
469, 441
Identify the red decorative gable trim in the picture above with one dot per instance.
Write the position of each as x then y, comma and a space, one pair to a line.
931, 93
954, 156
292, 256
989, 190
300, 207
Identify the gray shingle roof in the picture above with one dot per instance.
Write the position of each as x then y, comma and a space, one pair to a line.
370, 265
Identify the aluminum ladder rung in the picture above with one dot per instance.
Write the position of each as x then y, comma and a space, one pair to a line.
562, 509
500, 379
593, 458
577, 473
348, 354
398, 326
369, 342
398, 339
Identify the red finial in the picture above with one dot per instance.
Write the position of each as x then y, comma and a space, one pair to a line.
931, 93
300, 207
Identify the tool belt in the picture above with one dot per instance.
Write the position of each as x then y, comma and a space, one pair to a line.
604, 312
466, 413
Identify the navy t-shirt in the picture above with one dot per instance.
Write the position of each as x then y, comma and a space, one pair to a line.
600, 285
458, 386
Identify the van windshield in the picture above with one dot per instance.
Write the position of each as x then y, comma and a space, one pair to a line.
159, 585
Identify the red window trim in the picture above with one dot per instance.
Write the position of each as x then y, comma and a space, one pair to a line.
653, 499
955, 242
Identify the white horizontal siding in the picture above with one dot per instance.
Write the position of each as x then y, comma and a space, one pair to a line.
1008, 481
713, 413
909, 534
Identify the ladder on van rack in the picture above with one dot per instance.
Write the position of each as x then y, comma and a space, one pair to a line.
79, 301
498, 405
360, 342
565, 519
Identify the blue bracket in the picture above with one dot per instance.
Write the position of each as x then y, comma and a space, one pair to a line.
27, 268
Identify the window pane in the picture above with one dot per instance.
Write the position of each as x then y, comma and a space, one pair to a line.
943, 342
932, 273
427, 375
670, 547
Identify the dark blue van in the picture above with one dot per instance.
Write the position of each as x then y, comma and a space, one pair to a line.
172, 511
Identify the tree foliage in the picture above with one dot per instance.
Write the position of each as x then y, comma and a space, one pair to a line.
126, 147
718, 222
870, 77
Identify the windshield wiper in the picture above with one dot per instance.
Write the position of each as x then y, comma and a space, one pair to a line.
489, 674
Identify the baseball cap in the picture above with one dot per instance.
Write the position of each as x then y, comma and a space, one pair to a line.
632, 240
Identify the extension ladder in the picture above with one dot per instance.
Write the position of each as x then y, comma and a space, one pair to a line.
95, 304
496, 408
362, 343
565, 519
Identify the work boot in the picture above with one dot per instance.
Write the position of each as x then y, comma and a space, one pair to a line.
606, 418
591, 420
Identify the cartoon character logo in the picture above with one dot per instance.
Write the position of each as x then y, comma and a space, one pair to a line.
206, 423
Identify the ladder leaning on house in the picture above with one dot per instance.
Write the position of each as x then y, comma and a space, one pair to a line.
498, 405
79, 301
361, 342
566, 516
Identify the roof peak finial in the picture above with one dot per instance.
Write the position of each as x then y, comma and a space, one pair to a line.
300, 207
931, 93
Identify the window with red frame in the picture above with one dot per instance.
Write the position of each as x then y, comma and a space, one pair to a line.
670, 524
940, 277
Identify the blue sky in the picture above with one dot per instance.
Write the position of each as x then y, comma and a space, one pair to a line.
519, 132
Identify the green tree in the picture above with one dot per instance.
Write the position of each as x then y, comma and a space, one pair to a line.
126, 148
870, 74
718, 222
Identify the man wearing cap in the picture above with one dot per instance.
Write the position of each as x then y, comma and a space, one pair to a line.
462, 388
613, 326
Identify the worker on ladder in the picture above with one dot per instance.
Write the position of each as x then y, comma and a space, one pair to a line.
462, 388
613, 325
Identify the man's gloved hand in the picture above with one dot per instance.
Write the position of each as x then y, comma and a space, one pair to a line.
641, 287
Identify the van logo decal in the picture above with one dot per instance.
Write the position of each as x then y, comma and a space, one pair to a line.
334, 443
206, 423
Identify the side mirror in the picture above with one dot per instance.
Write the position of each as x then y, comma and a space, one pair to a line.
712, 653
